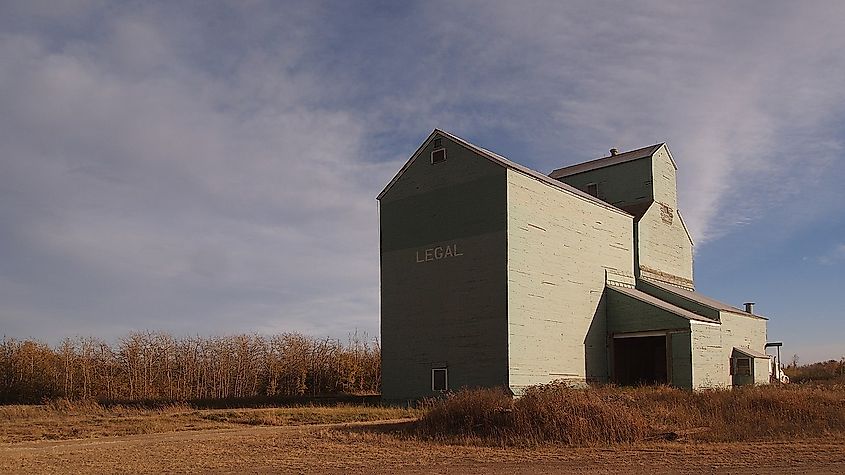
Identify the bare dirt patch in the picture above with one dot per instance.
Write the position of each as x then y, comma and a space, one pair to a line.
85, 420
341, 449
88, 438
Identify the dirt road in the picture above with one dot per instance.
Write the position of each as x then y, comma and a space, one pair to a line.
354, 448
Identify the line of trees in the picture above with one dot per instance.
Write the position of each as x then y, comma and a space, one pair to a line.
157, 366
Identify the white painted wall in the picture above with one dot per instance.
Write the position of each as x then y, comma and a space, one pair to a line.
665, 249
712, 347
559, 247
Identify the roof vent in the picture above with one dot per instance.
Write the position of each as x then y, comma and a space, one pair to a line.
749, 307
614, 151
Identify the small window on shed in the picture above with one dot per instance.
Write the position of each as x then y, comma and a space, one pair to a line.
743, 367
438, 143
439, 379
593, 189
438, 155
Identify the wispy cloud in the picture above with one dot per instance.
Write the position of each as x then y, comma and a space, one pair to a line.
833, 256
141, 188
214, 169
744, 97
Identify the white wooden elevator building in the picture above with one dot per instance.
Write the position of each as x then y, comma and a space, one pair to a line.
493, 274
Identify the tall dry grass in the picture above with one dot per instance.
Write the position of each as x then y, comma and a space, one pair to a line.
555, 413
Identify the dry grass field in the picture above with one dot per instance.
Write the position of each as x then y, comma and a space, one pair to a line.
85, 420
364, 448
88, 438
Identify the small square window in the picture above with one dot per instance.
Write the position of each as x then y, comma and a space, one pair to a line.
438, 155
593, 189
743, 366
438, 143
439, 379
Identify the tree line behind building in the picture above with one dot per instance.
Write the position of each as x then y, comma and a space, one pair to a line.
157, 366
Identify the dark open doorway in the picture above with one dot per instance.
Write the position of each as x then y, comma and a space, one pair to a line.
640, 360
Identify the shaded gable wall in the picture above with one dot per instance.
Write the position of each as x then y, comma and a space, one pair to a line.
448, 311
620, 185
664, 249
559, 246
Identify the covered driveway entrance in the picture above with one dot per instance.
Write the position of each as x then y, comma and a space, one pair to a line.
640, 359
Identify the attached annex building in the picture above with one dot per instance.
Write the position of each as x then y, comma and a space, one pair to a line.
493, 274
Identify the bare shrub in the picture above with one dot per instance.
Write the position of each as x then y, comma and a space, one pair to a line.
149, 366
484, 413
555, 413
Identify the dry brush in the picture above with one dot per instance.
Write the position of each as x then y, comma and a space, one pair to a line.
156, 366
555, 413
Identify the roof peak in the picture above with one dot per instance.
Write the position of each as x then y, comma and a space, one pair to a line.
612, 159
502, 161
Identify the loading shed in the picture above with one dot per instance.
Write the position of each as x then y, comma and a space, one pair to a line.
493, 274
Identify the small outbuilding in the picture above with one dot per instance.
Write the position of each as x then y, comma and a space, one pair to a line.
493, 274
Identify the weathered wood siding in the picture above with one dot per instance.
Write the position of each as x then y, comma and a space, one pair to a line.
664, 178
626, 314
448, 311
620, 185
664, 247
500, 277
745, 331
709, 361
762, 368
681, 349
713, 347
559, 246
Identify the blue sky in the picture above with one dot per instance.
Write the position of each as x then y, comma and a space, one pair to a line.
211, 168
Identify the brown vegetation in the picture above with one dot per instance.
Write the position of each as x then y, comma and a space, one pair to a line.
358, 449
157, 366
597, 416
830, 371
63, 419
532, 434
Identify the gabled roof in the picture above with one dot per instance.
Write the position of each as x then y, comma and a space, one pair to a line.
751, 353
608, 161
699, 298
500, 160
662, 304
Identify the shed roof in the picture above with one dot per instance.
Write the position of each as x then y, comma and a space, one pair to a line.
607, 161
662, 304
700, 298
496, 158
751, 353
